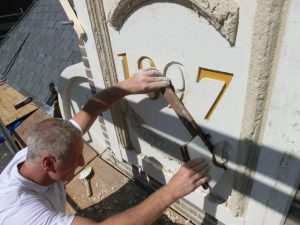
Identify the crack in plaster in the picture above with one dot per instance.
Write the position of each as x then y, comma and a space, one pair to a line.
223, 15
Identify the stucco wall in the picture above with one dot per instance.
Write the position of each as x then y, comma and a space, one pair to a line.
252, 62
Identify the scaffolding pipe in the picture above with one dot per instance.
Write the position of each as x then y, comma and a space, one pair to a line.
13, 14
9, 142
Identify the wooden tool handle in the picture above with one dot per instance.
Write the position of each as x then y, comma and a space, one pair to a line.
87, 187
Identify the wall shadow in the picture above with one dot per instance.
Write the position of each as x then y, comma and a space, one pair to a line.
264, 153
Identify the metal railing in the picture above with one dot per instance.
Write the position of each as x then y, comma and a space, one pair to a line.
13, 14
9, 141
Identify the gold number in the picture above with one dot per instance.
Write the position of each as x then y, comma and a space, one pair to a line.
215, 75
141, 60
203, 73
155, 94
123, 58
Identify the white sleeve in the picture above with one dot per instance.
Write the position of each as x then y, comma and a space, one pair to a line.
75, 124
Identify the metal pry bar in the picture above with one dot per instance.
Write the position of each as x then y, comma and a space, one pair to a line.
188, 121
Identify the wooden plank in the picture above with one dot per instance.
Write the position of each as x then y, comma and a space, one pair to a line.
21, 132
8, 113
73, 18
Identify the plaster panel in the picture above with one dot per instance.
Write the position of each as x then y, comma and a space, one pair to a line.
180, 41
277, 175
171, 33
268, 23
158, 38
168, 33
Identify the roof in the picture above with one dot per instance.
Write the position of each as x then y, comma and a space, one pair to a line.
38, 49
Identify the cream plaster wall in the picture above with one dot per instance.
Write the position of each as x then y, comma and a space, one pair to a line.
258, 114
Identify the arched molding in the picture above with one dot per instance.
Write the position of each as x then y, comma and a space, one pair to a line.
222, 14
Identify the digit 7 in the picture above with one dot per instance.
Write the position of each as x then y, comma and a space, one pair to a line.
215, 75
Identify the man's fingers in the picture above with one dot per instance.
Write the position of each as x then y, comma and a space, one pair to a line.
158, 85
202, 181
201, 172
154, 83
194, 162
149, 68
201, 166
190, 176
152, 72
162, 79
150, 79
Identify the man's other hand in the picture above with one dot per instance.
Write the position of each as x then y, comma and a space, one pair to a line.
190, 176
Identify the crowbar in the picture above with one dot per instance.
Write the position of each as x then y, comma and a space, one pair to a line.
191, 125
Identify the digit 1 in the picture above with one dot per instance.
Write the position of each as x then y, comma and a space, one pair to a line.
155, 94
123, 58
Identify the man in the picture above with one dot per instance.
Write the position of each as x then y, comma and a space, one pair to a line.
32, 185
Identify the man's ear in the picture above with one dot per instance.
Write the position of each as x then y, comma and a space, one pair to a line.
48, 163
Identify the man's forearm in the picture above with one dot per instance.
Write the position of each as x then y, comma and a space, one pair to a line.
189, 177
146, 212
143, 81
97, 104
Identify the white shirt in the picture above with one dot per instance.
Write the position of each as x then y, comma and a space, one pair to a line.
25, 202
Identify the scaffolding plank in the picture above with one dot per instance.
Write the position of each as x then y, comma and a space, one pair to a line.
8, 97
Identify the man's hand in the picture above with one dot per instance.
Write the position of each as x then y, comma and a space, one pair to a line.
189, 177
144, 81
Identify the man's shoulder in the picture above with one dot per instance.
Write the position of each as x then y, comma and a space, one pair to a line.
19, 157
26, 207
8, 183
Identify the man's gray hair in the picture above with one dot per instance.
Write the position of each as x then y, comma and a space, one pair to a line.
52, 136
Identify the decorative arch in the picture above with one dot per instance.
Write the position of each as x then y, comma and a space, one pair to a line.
222, 14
